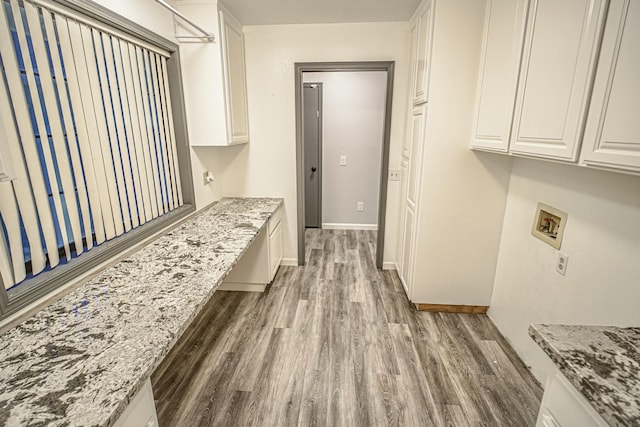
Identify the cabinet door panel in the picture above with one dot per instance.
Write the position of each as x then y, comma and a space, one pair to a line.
417, 142
612, 135
413, 41
423, 55
556, 75
275, 250
563, 405
404, 175
233, 61
497, 81
407, 249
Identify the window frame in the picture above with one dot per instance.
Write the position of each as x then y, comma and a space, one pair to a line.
46, 283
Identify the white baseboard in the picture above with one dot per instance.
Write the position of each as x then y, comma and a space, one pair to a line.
242, 287
291, 262
391, 265
334, 226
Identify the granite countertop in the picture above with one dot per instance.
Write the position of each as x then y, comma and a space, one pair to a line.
602, 362
81, 360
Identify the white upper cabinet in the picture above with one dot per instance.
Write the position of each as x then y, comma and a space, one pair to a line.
558, 61
235, 80
423, 21
612, 135
214, 77
498, 77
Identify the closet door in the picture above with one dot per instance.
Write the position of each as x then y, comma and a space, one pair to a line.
498, 77
559, 55
612, 135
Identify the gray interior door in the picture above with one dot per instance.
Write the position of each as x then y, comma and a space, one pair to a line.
312, 143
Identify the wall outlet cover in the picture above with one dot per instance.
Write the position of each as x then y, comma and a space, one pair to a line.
561, 263
394, 174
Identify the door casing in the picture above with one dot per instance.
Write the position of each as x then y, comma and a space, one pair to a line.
302, 67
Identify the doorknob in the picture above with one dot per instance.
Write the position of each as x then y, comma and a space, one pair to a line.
313, 169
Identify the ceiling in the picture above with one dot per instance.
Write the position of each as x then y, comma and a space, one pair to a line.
268, 12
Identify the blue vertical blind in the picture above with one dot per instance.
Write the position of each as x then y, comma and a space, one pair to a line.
88, 128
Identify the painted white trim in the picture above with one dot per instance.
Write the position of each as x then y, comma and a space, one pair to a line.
242, 287
389, 265
334, 226
290, 262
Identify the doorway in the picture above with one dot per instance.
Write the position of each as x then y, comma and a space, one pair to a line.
309, 187
312, 140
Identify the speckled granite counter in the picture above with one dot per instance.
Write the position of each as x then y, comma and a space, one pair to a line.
80, 360
603, 363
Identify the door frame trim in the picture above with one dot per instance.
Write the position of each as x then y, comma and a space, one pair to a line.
320, 89
301, 67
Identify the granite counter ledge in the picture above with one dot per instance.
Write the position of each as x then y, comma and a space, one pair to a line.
80, 360
601, 362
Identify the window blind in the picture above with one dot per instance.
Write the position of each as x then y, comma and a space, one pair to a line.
88, 122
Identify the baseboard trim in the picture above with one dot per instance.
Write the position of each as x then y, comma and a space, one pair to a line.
389, 266
335, 226
450, 308
290, 262
242, 287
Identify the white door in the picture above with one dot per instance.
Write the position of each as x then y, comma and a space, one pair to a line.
559, 55
612, 135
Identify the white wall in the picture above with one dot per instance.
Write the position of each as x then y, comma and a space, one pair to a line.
146, 13
602, 240
352, 126
463, 193
267, 165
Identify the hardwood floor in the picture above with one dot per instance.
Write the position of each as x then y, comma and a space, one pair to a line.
337, 343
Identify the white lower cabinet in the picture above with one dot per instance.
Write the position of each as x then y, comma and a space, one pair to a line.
141, 412
259, 265
563, 406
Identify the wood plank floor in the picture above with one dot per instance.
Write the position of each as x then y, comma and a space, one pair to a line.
337, 343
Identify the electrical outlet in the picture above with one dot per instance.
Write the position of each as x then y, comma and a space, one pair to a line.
360, 206
343, 160
394, 174
561, 263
